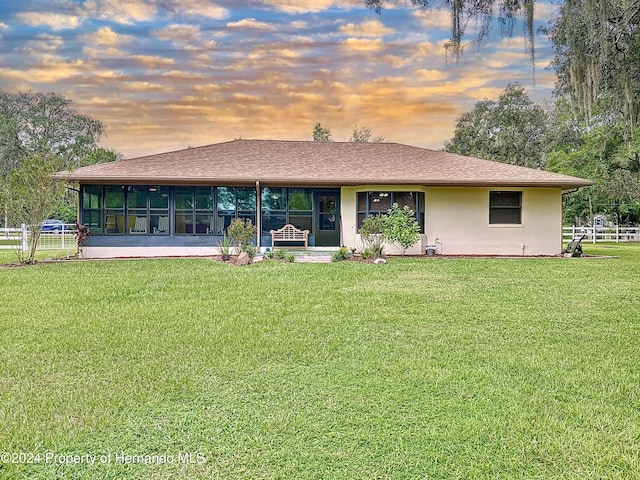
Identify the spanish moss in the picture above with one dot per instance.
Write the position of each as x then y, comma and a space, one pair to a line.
482, 14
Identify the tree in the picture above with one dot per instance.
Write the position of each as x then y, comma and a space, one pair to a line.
99, 155
597, 59
321, 133
44, 124
363, 135
30, 195
483, 11
41, 124
605, 157
511, 129
360, 134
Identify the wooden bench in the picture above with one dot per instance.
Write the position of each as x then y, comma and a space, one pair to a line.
289, 233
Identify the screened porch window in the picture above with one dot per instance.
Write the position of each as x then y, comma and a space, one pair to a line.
92, 206
210, 210
195, 210
114, 209
148, 210
286, 205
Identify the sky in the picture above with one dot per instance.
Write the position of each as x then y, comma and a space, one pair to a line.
163, 75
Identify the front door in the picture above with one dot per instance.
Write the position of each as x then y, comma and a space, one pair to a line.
327, 221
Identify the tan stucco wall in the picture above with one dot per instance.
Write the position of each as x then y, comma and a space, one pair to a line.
349, 198
459, 219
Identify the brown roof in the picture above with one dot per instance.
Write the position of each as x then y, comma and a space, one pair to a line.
276, 162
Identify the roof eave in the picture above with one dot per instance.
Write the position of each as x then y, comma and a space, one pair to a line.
447, 182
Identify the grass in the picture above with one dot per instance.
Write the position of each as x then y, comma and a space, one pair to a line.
419, 369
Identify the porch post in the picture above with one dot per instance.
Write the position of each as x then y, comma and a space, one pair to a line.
258, 214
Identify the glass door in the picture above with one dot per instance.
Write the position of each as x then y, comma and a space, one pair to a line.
327, 224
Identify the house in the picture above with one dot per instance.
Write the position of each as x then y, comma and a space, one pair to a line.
180, 203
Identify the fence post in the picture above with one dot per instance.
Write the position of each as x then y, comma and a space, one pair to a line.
617, 233
594, 234
63, 235
25, 237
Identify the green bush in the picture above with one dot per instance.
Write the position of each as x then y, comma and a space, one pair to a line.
225, 247
242, 232
367, 253
371, 236
341, 254
250, 249
399, 226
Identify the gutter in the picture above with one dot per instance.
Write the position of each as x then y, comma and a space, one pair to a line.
277, 181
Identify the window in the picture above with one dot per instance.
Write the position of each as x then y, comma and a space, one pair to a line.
114, 209
274, 208
147, 210
505, 208
327, 210
287, 205
210, 210
377, 203
301, 208
246, 202
232, 203
195, 212
137, 214
92, 197
159, 210
205, 210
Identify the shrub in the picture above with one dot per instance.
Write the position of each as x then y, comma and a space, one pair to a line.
82, 235
367, 253
225, 247
342, 254
251, 250
399, 226
242, 232
290, 257
371, 236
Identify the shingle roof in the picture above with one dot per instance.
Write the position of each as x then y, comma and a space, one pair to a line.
306, 163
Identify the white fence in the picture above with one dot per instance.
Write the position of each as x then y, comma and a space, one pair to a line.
602, 234
63, 239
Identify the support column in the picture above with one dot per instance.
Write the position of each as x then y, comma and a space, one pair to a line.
258, 214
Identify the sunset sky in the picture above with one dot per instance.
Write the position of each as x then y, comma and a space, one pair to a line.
166, 74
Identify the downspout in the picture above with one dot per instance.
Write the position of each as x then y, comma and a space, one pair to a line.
258, 215
339, 212
565, 192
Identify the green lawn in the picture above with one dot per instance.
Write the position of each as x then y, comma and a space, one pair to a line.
419, 369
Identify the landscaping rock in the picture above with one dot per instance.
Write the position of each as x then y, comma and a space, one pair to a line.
379, 261
243, 259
